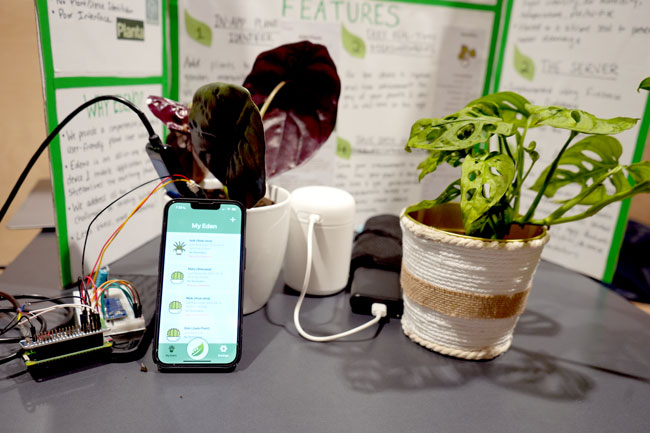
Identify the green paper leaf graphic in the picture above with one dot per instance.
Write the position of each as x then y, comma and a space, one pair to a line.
524, 65
352, 43
343, 148
198, 30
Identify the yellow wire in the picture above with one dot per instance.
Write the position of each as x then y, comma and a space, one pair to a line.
119, 229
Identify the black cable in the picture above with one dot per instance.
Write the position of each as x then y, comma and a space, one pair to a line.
152, 138
41, 298
11, 357
44, 298
83, 251
42, 329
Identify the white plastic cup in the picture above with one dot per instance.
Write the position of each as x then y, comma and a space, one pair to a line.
333, 237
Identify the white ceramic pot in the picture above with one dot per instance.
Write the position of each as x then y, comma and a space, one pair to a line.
267, 231
464, 295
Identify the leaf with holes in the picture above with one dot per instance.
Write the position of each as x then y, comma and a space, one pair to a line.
437, 157
449, 194
578, 120
303, 113
583, 163
461, 132
484, 181
639, 173
509, 106
228, 136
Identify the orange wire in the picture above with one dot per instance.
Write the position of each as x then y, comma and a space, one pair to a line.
116, 232
97, 266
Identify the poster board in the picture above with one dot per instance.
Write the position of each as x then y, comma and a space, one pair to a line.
397, 62
90, 49
588, 55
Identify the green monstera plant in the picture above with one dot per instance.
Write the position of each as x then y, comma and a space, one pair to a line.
283, 113
488, 141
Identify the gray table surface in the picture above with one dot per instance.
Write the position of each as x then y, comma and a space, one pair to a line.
37, 211
580, 362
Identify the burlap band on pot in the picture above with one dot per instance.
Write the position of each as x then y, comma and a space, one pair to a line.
462, 304
463, 295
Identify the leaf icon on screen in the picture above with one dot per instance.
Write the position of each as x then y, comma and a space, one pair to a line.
198, 350
198, 30
524, 65
352, 43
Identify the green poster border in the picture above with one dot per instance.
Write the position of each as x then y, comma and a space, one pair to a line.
502, 49
56, 164
173, 48
493, 47
51, 85
621, 222
451, 4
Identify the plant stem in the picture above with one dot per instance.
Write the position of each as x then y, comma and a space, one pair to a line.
521, 142
504, 143
549, 176
269, 99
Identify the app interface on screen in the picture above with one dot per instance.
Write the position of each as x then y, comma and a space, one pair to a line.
200, 287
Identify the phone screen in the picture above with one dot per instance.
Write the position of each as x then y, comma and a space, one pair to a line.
200, 283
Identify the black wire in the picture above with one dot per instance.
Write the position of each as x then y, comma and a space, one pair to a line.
83, 251
11, 357
41, 298
44, 298
55, 132
43, 328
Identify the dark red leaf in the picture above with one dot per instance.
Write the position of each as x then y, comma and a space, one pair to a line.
303, 114
228, 135
173, 114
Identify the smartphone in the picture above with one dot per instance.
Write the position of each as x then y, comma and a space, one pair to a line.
200, 283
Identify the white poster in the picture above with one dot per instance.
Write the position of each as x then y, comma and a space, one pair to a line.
117, 38
587, 55
102, 157
397, 62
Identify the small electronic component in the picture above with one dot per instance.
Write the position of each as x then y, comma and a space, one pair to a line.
114, 308
64, 348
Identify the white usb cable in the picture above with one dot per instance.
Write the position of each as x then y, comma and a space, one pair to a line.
378, 310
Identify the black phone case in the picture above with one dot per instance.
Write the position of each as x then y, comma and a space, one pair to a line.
197, 366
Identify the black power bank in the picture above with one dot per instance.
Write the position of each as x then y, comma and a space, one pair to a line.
370, 285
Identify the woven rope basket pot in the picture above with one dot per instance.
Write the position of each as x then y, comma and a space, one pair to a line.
464, 295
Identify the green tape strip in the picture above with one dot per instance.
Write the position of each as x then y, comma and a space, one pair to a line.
173, 46
55, 146
451, 4
493, 49
502, 50
621, 223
